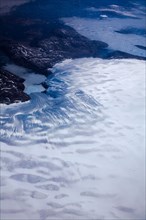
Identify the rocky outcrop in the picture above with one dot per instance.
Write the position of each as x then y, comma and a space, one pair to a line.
40, 51
11, 88
38, 45
111, 54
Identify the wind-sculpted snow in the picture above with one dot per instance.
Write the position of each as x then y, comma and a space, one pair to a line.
77, 152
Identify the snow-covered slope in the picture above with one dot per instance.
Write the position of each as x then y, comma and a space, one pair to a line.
77, 152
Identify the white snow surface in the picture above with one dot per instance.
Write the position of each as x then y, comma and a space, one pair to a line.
78, 152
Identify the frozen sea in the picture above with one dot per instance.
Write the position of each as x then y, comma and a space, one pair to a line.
78, 151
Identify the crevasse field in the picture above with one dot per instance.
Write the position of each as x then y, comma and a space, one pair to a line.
78, 152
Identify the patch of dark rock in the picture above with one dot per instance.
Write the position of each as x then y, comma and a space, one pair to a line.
43, 45
131, 30
45, 85
141, 47
11, 88
3, 59
121, 55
